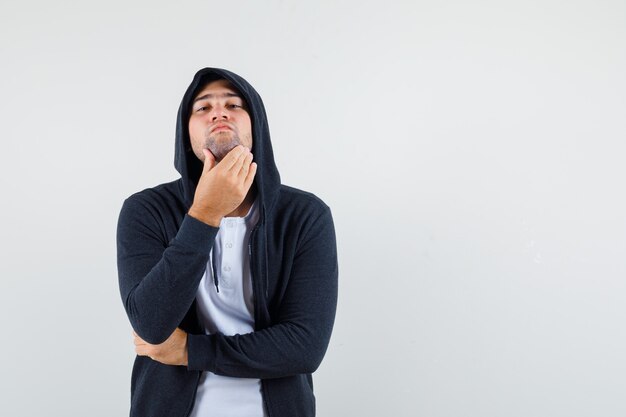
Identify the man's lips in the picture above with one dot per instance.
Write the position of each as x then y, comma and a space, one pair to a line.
220, 127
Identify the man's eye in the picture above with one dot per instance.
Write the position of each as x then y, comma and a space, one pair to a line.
203, 108
234, 106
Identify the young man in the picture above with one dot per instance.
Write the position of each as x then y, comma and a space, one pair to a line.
228, 277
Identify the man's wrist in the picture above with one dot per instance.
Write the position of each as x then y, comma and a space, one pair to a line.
210, 219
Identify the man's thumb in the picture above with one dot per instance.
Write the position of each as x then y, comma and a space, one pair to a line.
209, 159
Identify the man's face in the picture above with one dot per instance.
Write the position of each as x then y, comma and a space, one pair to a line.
219, 120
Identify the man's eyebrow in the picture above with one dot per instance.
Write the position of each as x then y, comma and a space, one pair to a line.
214, 95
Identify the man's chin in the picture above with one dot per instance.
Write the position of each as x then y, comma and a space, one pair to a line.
219, 152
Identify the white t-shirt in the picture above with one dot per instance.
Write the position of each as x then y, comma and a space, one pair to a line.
229, 311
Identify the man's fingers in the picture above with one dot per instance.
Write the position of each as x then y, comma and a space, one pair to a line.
233, 157
250, 177
209, 159
245, 166
142, 350
236, 167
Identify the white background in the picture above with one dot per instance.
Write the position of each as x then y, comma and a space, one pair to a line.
472, 153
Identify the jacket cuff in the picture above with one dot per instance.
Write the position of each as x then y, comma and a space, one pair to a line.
196, 234
200, 352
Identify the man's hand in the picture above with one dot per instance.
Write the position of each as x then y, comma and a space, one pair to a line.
223, 186
171, 352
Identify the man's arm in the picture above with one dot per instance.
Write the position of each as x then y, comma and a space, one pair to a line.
294, 345
159, 280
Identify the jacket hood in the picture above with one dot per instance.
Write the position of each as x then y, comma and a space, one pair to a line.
267, 178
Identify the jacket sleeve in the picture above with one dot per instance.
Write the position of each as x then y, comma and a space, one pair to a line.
158, 280
297, 342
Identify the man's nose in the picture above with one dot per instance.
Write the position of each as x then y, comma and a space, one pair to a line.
219, 112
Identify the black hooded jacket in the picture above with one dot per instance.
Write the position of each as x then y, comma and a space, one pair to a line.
162, 254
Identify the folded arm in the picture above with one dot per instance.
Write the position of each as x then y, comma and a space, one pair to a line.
297, 342
158, 280
159, 283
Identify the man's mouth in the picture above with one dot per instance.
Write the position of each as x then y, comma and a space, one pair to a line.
219, 128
